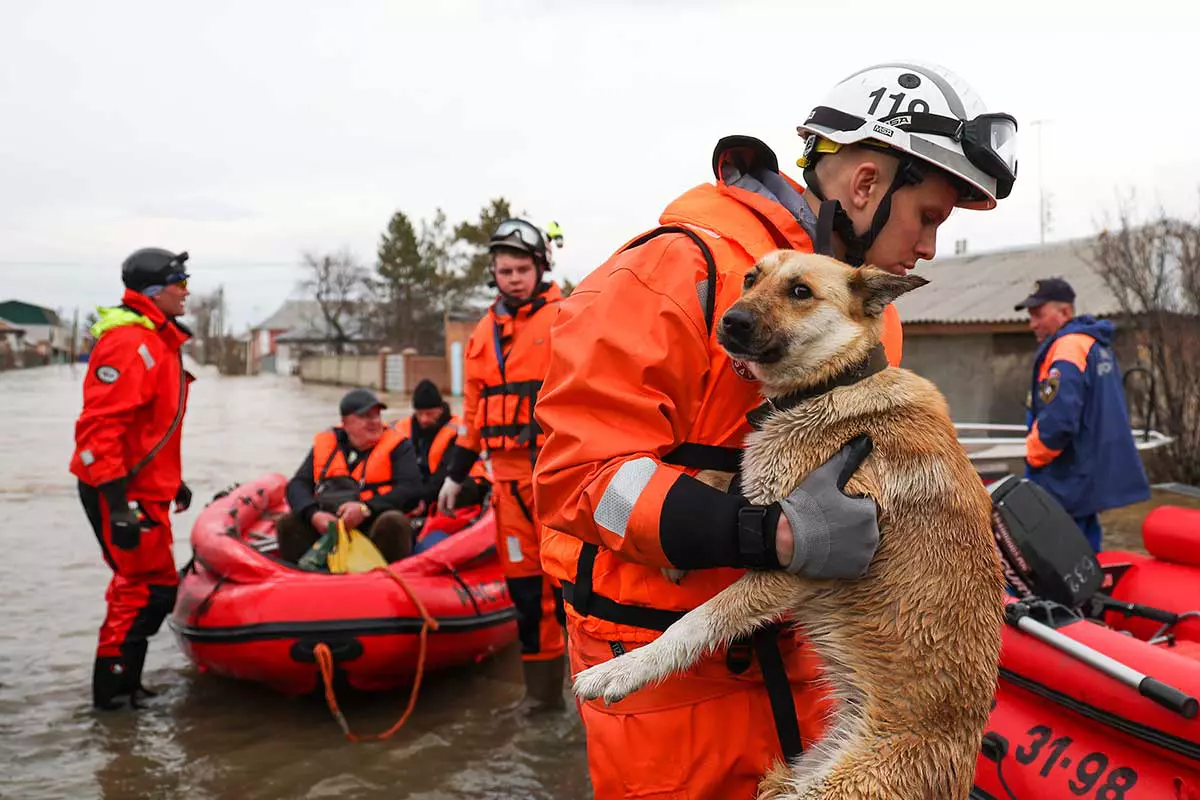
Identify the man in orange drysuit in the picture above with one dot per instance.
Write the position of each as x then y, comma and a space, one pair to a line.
505, 359
127, 461
638, 397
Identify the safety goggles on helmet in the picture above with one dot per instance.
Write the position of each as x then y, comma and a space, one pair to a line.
178, 276
518, 233
989, 141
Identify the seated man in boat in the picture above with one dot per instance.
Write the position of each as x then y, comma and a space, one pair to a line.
432, 429
1079, 448
364, 473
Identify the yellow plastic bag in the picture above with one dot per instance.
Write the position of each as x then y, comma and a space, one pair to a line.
354, 552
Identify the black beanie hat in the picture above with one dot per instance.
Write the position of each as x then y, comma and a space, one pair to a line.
426, 396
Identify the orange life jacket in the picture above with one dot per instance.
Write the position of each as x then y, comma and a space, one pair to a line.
441, 440
374, 474
505, 361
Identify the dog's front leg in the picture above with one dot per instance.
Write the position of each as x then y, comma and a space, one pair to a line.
751, 602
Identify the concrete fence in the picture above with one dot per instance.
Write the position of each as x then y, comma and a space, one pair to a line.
385, 371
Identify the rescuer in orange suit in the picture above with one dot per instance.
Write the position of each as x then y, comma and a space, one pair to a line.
127, 462
505, 360
638, 397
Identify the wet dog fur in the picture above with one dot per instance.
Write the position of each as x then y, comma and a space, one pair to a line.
911, 649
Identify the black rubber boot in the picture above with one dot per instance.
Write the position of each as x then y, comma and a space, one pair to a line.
135, 660
543, 689
110, 684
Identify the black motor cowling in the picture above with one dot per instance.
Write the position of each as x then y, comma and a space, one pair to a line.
1043, 551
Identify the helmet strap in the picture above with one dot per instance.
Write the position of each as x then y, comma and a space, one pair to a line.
513, 304
832, 217
536, 300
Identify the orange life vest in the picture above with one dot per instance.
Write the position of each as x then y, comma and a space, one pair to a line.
505, 361
374, 474
441, 440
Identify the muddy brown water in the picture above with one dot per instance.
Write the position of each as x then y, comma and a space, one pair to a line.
208, 737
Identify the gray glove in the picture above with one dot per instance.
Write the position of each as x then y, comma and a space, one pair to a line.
835, 534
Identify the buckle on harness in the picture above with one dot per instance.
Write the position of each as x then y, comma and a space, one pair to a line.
739, 656
752, 545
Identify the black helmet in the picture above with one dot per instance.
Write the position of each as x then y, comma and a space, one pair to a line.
153, 266
525, 237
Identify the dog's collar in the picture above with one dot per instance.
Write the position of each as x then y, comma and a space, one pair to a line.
876, 361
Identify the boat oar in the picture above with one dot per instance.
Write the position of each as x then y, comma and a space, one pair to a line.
1018, 615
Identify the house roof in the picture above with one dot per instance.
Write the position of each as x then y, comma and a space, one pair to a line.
21, 313
292, 314
8, 328
983, 288
302, 321
318, 330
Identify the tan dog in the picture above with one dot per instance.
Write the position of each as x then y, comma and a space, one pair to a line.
911, 649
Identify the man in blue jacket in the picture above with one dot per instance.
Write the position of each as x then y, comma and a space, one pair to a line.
1079, 447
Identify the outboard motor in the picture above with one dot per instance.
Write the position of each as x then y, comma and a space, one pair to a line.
1043, 551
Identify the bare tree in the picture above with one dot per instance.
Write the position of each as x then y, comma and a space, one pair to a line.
1153, 270
207, 313
340, 286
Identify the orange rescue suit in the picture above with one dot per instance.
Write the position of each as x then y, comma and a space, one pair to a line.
637, 397
505, 360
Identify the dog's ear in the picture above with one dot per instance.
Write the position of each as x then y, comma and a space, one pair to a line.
878, 288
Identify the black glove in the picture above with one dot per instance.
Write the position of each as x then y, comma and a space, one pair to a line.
472, 493
183, 498
124, 523
459, 461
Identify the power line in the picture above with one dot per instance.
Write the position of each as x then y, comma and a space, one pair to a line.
201, 266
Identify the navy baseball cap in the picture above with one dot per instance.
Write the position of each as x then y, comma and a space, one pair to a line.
1047, 290
358, 401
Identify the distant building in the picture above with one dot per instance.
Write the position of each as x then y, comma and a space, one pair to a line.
459, 325
962, 333
298, 328
46, 339
12, 345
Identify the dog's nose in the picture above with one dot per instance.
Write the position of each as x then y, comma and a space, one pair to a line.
738, 324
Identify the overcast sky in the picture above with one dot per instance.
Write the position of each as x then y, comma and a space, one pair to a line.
246, 132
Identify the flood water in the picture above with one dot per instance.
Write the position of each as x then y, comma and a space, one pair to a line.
208, 737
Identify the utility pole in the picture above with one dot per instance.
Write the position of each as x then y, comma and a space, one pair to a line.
75, 336
1043, 219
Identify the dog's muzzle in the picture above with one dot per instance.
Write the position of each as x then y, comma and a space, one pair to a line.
738, 334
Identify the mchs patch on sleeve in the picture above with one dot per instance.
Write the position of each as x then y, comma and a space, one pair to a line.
107, 374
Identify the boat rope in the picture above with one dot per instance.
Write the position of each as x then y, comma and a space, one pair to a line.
324, 658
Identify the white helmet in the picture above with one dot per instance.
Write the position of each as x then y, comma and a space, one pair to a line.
927, 112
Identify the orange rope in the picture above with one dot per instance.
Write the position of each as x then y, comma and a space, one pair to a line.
325, 661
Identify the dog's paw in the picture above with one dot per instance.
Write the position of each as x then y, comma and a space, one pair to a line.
613, 680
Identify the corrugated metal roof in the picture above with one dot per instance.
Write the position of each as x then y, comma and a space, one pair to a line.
291, 314
986, 286
19, 312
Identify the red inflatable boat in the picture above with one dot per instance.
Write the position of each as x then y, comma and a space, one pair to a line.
1067, 724
245, 614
